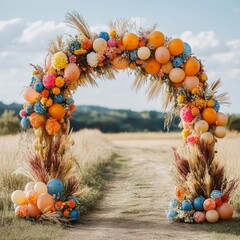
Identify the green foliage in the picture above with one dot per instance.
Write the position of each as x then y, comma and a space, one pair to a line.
9, 123
233, 122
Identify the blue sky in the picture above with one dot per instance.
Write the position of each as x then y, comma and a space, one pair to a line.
210, 26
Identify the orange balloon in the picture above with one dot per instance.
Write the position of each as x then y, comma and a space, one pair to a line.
21, 210
191, 82
32, 197
162, 55
45, 202
56, 111
18, 197
33, 210
130, 41
225, 211
176, 46
72, 72
177, 75
209, 204
30, 95
212, 216
152, 66
209, 115
120, 62
36, 120
192, 66
156, 39
221, 119
167, 67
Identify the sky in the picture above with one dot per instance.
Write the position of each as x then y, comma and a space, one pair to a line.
209, 26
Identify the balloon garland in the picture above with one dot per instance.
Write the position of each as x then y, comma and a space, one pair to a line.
170, 69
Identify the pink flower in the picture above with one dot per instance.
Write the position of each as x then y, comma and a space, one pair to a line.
160, 73
191, 139
72, 59
142, 38
100, 57
49, 81
112, 42
186, 114
22, 113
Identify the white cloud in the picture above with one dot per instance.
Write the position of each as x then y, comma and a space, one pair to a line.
234, 44
203, 40
8, 23
99, 28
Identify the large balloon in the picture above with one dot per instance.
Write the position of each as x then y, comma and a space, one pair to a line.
33, 210
30, 95
209, 115
144, 53
191, 82
45, 202
220, 132
221, 119
40, 187
18, 197
177, 75
72, 72
55, 187
225, 211
176, 46
212, 216
162, 55
152, 66
130, 41
201, 126
99, 45
120, 62
192, 67
156, 39
56, 111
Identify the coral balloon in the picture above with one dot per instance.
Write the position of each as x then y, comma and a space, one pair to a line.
99, 45
152, 66
199, 217
176, 46
120, 62
33, 211
72, 72
209, 115
201, 126
162, 55
207, 137
21, 210
30, 95
45, 202
221, 119
191, 82
40, 187
29, 186
177, 75
32, 197
18, 197
209, 204
156, 39
36, 120
56, 111
220, 132
192, 66
144, 53
130, 41
167, 67
225, 211
212, 216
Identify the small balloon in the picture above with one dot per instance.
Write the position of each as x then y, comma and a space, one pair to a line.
21, 210
144, 53
45, 202
18, 197
99, 45
72, 72
212, 216
33, 211
40, 187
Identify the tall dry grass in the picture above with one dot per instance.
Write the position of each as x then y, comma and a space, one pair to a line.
93, 152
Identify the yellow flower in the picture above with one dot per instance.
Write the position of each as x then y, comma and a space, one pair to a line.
43, 100
35, 72
49, 102
59, 60
56, 91
80, 51
59, 82
204, 77
185, 133
210, 103
180, 99
195, 90
112, 33
66, 93
132, 65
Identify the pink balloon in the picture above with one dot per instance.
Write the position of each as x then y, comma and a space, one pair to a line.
191, 82
72, 72
177, 75
162, 55
30, 95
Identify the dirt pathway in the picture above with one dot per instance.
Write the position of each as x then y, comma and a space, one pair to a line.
135, 203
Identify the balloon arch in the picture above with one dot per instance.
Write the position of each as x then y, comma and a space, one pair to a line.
169, 68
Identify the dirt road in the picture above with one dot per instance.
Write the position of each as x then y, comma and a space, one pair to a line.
136, 200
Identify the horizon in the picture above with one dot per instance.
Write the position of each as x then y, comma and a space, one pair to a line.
27, 33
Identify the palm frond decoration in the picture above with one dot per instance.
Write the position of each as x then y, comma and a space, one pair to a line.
121, 25
146, 32
139, 81
77, 22
55, 45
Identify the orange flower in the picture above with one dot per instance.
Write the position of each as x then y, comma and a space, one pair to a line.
86, 44
35, 72
52, 126
66, 213
178, 193
59, 82
45, 93
71, 203
141, 44
80, 51
59, 204
72, 108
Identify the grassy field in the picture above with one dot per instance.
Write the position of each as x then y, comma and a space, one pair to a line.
94, 153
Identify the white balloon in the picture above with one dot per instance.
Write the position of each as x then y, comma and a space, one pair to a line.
144, 53
99, 45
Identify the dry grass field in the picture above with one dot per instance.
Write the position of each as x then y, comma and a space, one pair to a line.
134, 201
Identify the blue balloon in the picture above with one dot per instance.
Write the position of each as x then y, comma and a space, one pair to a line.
104, 35
186, 206
75, 214
177, 61
198, 203
55, 187
173, 203
215, 194
38, 86
25, 123
171, 214
187, 50
29, 109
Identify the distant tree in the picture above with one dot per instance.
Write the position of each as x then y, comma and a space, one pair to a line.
9, 123
233, 122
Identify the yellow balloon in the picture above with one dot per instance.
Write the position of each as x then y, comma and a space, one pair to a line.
18, 197
40, 187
